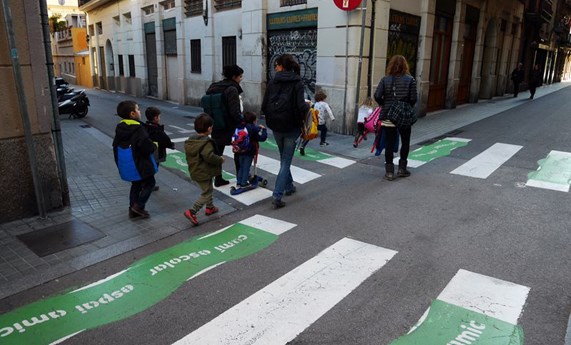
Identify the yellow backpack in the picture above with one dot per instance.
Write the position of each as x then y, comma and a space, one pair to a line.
309, 130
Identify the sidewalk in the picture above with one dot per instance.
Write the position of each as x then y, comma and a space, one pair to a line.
99, 199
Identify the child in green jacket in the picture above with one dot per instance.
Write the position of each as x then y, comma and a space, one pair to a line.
203, 165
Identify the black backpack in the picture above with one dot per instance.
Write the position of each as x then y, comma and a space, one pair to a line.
213, 105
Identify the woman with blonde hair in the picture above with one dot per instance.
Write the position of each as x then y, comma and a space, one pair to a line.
397, 84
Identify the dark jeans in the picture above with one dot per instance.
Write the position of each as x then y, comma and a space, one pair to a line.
141, 191
245, 161
323, 131
286, 144
391, 133
516, 89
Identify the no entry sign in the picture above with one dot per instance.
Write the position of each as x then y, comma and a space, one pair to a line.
347, 5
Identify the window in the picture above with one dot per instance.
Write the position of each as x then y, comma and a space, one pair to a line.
192, 7
127, 17
227, 4
168, 4
91, 30
131, 65
99, 28
117, 21
292, 2
148, 10
170, 42
195, 57
121, 68
228, 50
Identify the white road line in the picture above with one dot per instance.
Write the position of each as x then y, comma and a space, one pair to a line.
179, 140
490, 296
280, 311
486, 295
247, 198
182, 130
272, 225
484, 164
337, 162
272, 166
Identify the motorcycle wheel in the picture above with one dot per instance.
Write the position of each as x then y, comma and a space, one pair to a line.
82, 111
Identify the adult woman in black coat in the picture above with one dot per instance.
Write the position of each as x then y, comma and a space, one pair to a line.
397, 76
231, 90
535, 80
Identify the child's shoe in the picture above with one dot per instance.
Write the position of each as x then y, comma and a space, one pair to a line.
140, 211
133, 214
324, 143
191, 215
211, 210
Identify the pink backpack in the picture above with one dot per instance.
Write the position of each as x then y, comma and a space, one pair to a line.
371, 120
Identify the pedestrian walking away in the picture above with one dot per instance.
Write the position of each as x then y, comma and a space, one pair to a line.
157, 134
517, 77
365, 110
230, 90
133, 151
324, 113
535, 80
398, 84
203, 164
284, 107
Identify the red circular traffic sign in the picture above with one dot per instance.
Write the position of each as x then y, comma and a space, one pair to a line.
347, 5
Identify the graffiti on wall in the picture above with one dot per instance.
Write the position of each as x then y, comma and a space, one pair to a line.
404, 29
302, 44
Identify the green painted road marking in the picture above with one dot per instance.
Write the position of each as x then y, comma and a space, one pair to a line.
438, 149
554, 172
448, 324
310, 154
140, 286
177, 160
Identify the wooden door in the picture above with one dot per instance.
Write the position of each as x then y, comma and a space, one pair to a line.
440, 60
463, 95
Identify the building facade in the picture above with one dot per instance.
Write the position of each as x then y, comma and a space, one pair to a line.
459, 51
23, 195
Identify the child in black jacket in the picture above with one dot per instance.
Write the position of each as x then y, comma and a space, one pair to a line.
157, 134
245, 156
133, 151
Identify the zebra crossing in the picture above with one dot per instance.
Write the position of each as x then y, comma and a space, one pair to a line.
553, 172
471, 307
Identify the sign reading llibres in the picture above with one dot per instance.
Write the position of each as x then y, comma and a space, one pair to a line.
347, 5
293, 19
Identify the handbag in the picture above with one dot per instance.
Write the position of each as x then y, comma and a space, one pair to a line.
401, 113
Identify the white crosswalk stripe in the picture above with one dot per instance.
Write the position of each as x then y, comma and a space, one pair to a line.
484, 164
280, 311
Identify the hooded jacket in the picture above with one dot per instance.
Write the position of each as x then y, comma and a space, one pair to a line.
132, 133
203, 162
284, 105
231, 91
158, 135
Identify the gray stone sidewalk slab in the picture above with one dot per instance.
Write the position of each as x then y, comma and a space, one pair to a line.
100, 199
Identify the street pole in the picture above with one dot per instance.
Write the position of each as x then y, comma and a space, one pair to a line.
360, 67
21, 95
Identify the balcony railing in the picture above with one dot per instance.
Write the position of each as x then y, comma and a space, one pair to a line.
227, 4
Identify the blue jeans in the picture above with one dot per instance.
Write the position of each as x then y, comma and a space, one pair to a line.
244, 162
286, 144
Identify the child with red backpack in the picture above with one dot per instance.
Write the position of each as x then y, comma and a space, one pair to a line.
245, 146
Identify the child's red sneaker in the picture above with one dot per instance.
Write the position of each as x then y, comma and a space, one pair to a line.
190, 215
211, 210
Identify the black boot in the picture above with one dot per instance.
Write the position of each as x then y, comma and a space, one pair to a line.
390, 171
402, 172
219, 181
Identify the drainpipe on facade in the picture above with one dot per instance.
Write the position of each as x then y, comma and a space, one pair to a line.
371, 42
23, 107
360, 66
56, 128
343, 125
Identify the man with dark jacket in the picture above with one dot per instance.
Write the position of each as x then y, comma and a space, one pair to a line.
517, 77
231, 90
284, 107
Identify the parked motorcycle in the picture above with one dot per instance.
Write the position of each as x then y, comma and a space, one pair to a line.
74, 103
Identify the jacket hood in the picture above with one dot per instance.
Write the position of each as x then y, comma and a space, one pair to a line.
194, 144
220, 86
126, 128
286, 77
